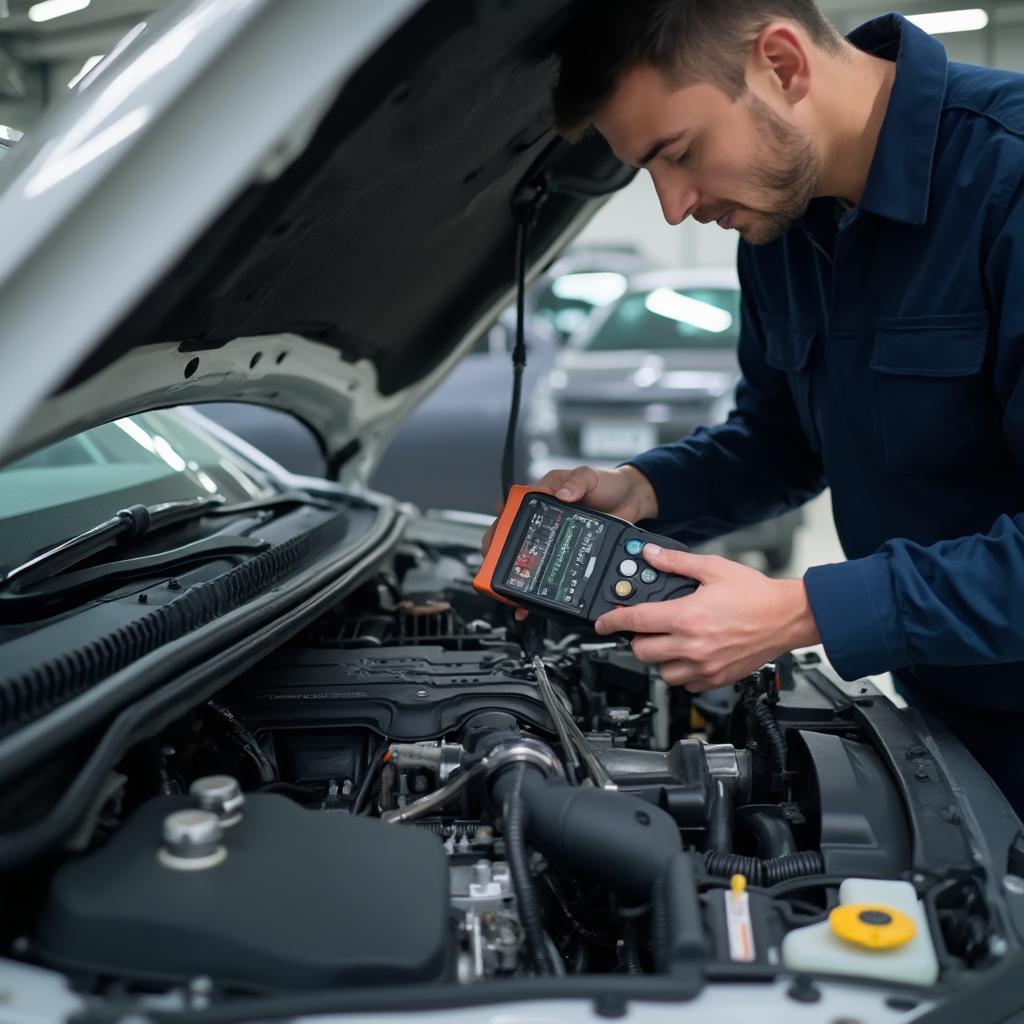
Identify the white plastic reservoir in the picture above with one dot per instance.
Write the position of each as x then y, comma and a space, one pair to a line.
819, 948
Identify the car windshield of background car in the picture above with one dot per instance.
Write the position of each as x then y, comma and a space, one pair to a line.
664, 318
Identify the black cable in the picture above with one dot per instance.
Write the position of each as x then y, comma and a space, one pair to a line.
371, 773
508, 460
772, 733
630, 949
527, 903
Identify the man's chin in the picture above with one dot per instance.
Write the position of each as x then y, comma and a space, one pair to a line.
763, 230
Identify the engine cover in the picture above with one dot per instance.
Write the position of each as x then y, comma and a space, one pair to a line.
301, 900
408, 693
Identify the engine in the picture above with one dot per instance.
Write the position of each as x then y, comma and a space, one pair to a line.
415, 791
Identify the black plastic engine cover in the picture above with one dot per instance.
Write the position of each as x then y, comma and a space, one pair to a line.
863, 821
408, 693
304, 899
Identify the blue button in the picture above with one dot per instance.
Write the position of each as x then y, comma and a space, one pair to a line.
634, 546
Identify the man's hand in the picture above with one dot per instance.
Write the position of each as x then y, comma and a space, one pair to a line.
737, 620
624, 492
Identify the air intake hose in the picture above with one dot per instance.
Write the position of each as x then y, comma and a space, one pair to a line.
618, 840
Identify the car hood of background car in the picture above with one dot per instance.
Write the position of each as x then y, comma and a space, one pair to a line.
307, 206
635, 375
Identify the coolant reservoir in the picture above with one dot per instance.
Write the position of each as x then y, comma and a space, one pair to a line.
879, 930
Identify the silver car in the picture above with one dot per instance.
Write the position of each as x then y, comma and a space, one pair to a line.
648, 369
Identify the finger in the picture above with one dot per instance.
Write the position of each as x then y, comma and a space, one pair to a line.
553, 479
650, 617
488, 537
680, 672
702, 568
578, 484
653, 649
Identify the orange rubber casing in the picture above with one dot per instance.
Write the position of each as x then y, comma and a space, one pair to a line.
484, 578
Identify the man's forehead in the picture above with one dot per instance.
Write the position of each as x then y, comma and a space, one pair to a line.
647, 111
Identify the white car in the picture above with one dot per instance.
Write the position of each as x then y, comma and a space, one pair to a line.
265, 754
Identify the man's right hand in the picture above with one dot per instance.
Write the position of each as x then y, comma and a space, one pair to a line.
623, 492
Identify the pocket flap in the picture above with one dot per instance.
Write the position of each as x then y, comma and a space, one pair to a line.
938, 346
787, 343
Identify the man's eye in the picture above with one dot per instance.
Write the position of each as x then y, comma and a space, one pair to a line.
684, 156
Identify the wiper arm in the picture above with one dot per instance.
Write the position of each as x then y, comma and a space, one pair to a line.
130, 568
128, 523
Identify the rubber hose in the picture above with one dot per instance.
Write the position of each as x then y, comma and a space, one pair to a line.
773, 834
764, 872
527, 904
772, 732
630, 950
720, 820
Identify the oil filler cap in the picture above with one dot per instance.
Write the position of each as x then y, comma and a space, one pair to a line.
220, 794
192, 841
872, 926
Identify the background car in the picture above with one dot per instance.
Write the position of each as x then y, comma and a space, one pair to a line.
651, 367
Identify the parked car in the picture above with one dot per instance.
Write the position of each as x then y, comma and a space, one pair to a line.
650, 368
468, 413
265, 754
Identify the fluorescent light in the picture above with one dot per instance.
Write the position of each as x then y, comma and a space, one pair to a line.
85, 69
941, 22
674, 306
50, 9
595, 288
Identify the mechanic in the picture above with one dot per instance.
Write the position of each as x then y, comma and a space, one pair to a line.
877, 189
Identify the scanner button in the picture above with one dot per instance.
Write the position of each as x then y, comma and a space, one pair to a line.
627, 567
648, 576
634, 546
623, 589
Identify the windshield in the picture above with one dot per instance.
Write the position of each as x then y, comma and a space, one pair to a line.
70, 486
666, 318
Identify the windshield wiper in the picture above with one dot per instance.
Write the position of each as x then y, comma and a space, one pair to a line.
128, 523
131, 523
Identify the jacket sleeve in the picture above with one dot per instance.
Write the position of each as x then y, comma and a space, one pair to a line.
959, 601
756, 465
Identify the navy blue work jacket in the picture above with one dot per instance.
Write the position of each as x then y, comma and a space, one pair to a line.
882, 351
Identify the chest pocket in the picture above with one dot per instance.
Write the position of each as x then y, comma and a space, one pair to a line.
938, 417
789, 344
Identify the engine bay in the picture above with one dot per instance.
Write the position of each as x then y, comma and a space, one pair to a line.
416, 791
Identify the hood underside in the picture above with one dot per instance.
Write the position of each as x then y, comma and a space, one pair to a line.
388, 238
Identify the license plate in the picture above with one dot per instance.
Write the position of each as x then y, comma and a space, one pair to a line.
618, 441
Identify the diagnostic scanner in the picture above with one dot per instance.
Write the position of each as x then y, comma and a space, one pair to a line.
563, 559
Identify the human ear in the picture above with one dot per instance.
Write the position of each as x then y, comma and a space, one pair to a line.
780, 55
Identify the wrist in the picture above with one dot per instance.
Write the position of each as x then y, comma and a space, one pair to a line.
798, 626
641, 492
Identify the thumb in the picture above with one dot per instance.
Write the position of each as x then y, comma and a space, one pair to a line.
680, 563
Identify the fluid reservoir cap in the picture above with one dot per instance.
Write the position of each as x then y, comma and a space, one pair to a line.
220, 794
872, 926
191, 841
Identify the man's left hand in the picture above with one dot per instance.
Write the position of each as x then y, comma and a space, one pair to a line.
737, 620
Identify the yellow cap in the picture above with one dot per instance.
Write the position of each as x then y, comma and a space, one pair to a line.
623, 589
738, 884
872, 926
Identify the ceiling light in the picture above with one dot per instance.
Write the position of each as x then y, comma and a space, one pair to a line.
595, 288
50, 9
671, 304
85, 69
942, 22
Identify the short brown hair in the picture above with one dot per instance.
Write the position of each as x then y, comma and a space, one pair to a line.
695, 40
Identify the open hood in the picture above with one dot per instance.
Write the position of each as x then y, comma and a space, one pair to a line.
308, 206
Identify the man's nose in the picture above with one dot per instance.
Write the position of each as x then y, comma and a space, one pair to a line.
678, 198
